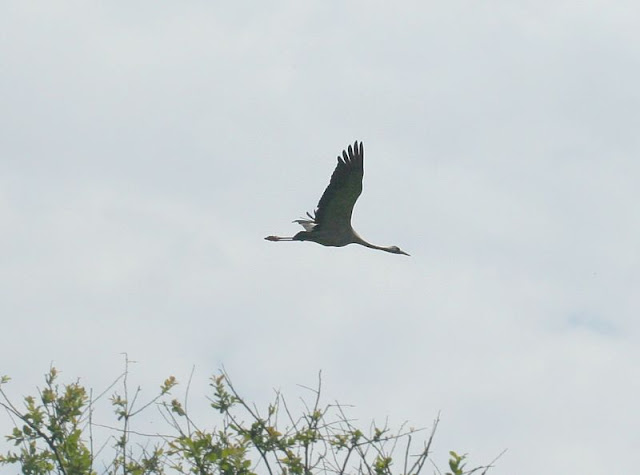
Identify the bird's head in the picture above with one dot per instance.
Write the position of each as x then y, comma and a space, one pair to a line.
397, 250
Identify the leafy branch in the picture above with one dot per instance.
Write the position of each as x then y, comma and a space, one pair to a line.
55, 435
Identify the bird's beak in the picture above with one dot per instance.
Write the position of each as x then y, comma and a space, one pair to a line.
405, 253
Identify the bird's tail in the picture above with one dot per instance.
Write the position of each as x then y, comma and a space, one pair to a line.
307, 224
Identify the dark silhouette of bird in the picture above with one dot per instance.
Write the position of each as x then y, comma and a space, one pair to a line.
330, 224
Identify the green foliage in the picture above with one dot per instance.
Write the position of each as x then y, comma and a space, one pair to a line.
455, 463
49, 431
53, 434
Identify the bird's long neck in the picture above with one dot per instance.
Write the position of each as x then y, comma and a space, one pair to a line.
358, 240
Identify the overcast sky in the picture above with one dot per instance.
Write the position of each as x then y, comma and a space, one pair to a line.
147, 148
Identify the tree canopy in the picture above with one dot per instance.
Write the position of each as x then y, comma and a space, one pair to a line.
55, 432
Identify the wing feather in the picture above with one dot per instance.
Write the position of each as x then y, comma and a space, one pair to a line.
336, 204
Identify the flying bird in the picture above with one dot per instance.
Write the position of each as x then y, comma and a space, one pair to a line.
330, 224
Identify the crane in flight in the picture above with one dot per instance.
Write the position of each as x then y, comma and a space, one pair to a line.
330, 224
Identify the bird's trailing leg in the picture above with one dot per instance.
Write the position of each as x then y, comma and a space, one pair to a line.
278, 238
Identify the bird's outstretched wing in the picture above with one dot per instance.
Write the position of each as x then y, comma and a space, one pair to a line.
337, 202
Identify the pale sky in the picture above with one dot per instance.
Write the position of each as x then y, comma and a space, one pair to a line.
147, 148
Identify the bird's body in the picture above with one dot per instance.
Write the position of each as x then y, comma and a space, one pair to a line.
328, 238
331, 223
